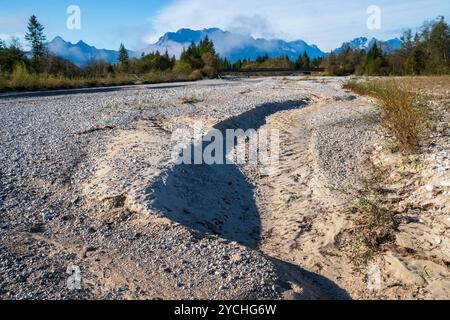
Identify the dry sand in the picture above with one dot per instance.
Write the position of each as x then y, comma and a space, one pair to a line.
161, 230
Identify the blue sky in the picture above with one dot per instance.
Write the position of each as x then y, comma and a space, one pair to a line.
326, 23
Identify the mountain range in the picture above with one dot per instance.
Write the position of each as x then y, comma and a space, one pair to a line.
365, 44
81, 54
233, 46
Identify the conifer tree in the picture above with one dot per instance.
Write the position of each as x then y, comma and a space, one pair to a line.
35, 36
306, 60
123, 59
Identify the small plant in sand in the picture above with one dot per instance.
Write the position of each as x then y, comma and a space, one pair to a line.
375, 225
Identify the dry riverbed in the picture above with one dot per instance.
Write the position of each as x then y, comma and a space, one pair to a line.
87, 181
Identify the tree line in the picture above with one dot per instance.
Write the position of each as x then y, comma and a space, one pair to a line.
423, 53
303, 62
426, 52
196, 61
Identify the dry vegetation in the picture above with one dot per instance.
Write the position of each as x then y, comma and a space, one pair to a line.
404, 113
375, 223
22, 79
407, 114
190, 100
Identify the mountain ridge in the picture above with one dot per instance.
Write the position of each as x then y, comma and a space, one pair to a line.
363, 43
229, 45
81, 53
233, 46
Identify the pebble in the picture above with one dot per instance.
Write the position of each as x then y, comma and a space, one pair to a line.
445, 183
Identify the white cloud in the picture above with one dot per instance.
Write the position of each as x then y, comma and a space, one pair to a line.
256, 25
9, 36
12, 26
327, 23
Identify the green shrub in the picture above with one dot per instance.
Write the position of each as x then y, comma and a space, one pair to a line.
20, 77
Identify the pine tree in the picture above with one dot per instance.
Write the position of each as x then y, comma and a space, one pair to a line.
225, 64
438, 47
123, 59
407, 40
192, 55
331, 64
373, 60
238, 64
206, 46
299, 62
417, 61
306, 60
36, 37
316, 62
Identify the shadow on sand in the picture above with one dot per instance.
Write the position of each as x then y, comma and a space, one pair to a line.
218, 199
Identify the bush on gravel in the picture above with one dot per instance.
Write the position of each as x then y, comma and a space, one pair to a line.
403, 114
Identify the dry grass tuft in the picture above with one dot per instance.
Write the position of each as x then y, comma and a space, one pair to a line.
376, 222
190, 100
376, 219
404, 114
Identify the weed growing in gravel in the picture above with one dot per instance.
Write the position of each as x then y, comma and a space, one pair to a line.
404, 114
360, 254
376, 222
190, 100
375, 226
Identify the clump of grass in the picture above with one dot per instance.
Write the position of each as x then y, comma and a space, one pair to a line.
245, 91
190, 100
360, 254
403, 113
376, 223
375, 226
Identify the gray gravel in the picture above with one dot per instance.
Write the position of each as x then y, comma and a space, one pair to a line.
47, 147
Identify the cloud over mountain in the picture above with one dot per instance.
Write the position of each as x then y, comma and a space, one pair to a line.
229, 45
365, 44
325, 22
233, 45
